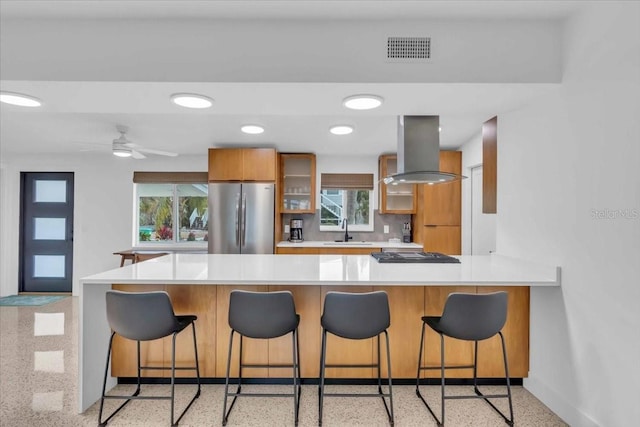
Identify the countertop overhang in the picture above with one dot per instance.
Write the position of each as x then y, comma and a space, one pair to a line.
352, 270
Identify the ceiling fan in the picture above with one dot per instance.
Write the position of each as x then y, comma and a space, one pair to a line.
122, 147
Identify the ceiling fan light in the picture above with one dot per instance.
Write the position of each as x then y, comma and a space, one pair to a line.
252, 129
121, 152
191, 100
362, 102
19, 99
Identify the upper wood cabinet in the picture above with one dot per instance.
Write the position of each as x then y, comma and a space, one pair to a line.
437, 222
490, 166
442, 202
397, 198
446, 239
297, 187
242, 164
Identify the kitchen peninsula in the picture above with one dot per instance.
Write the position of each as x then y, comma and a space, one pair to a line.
200, 284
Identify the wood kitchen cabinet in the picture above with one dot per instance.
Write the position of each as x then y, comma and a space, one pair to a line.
242, 164
442, 202
407, 305
459, 352
397, 198
445, 239
439, 212
297, 187
490, 166
327, 251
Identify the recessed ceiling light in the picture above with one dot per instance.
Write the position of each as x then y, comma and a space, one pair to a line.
19, 99
362, 102
191, 100
341, 129
252, 129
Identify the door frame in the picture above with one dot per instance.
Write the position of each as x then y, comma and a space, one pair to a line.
26, 177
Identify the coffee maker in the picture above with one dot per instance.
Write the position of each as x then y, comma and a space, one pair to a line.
295, 231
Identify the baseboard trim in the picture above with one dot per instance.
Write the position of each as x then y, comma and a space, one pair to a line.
330, 381
558, 404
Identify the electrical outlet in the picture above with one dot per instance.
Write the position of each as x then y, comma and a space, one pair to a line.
386, 229
286, 229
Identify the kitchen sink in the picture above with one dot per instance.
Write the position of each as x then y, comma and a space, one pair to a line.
350, 243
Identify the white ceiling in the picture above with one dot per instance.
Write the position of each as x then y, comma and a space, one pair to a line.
79, 114
287, 9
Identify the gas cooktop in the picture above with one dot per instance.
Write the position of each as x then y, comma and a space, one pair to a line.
413, 257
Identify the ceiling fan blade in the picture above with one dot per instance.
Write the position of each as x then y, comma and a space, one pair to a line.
158, 152
90, 146
137, 155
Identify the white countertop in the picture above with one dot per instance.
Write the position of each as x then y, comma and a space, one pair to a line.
352, 270
350, 244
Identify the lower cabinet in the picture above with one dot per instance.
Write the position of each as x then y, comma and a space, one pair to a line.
457, 352
327, 251
407, 304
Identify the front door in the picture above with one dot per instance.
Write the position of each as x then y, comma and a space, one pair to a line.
46, 231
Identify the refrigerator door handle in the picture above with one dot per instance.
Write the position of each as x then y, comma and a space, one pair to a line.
244, 219
237, 219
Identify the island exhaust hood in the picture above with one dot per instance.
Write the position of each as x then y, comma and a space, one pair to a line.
419, 152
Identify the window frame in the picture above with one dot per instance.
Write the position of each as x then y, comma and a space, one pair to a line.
370, 227
175, 212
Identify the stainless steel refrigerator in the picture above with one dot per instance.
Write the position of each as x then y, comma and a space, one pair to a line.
241, 218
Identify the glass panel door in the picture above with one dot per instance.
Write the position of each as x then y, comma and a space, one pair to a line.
46, 232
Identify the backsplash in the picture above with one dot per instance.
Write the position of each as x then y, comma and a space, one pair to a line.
311, 229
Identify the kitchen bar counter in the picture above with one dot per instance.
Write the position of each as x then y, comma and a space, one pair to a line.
352, 270
200, 284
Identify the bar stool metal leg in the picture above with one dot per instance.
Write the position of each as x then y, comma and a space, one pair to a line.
323, 354
390, 408
510, 420
297, 387
173, 376
225, 414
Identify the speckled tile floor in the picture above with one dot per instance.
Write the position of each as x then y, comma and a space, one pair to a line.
38, 380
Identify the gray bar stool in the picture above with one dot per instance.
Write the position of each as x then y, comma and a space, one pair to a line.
263, 315
469, 317
356, 316
147, 316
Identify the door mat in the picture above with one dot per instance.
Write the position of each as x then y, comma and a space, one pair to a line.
30, 300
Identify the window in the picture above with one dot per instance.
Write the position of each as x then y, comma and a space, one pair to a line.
170, 212
347, 196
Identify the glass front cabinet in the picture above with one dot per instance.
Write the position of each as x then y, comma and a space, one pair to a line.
297, 183
395, 198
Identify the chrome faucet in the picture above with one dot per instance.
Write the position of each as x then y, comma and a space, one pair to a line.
345, 225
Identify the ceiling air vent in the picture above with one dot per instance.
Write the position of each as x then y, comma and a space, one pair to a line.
402, 49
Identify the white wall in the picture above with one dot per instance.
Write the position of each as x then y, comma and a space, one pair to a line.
564, 160
350, 50
103, 213
471, 157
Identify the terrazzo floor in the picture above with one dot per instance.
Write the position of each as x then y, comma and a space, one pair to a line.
38, 386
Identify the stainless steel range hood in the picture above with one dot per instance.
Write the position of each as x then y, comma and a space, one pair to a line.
419, 152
